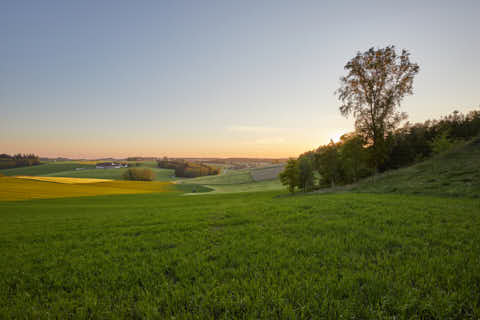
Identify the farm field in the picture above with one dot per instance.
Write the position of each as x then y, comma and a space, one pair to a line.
114, 174
44, 169
230, 177
15, 189
247, 255
68, 169
243, 180
63, 180
268, 185
266, 173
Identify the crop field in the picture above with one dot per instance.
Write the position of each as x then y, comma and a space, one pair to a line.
267, 185
246, 255
266, 173
243, 180
231, 177
113, 174
88, 170
15, 189
62, 179
44, 169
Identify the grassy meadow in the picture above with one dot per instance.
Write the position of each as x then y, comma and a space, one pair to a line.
455, 173
244, 255
396, 249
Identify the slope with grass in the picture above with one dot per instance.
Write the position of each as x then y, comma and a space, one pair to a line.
267, 173
247, 255
231, 177
266, 185
454, 173
243, 180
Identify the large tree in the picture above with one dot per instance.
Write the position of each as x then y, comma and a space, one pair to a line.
376, 82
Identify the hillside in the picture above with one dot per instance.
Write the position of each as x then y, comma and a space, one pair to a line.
243, 180
455, 173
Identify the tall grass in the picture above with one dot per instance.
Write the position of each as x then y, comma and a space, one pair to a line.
240, 256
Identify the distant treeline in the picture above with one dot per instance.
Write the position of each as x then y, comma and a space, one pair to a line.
18, 160
352, 158
188, 169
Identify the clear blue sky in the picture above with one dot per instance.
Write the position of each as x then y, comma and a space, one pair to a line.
214, 78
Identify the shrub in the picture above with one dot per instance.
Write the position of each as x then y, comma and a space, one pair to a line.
188, 169
139, 174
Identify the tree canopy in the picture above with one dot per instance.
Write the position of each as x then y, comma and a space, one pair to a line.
376, 82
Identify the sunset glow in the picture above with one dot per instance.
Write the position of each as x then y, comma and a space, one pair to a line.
178, 81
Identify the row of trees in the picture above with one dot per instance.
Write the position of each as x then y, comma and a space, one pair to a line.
352, 158
376, 82
188, 169
335, 164
18, 160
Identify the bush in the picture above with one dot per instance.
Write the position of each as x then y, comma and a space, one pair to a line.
187, 169
143, 174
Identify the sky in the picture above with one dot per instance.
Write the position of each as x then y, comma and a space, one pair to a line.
92, 79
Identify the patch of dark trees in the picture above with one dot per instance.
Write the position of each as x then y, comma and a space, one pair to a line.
352, 158
187, 169
18, 160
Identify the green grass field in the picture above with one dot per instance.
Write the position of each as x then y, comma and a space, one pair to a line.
406, 247
246, 255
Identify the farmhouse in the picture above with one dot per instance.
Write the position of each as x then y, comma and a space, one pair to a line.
110, 165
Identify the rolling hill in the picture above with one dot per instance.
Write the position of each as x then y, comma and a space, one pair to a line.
243, 180
454, 173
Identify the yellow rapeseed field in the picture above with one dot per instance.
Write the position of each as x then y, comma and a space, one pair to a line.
15, 189
64, 180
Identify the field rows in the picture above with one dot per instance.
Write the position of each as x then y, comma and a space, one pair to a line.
63, 179
14, 189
